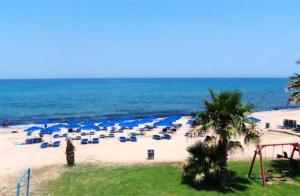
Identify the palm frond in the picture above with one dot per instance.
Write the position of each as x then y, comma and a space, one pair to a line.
294, 82
251, 137
234, 145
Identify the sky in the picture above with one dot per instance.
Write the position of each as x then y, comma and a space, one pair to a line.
149, 38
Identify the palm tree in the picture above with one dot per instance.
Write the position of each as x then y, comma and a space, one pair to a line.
294, 88
224, 117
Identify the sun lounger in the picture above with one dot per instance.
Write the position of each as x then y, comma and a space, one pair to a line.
167, 136
78, 137
56, 144
166, 129
65, 135
122, 139
149, 127
33, 141
177, 126
111, 135
156, 137
92, 133
102, 136
44, 145
95, 140
133, 138
55, 135
83, 134
84, 141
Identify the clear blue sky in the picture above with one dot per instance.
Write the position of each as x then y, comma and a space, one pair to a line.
149, 38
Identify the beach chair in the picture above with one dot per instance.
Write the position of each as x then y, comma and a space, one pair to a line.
133, 138
121, 129
27, 141
122, 139
55, 135
56, 144
149, 127
95, 140
156, 137
102, 136
84, 141
65, 135
111, 135
165, 129
78, 137
92, 133
167, 136
44, 145
142, 129
83, 134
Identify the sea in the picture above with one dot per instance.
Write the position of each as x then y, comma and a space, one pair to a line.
60, 100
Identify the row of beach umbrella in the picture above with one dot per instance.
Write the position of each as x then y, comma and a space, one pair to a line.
167, 121
125, 122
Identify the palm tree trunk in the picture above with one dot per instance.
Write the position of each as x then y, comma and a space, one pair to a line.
223, 155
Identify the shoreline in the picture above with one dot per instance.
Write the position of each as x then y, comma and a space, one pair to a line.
183, 114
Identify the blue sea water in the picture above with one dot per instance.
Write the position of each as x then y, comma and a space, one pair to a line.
27, 101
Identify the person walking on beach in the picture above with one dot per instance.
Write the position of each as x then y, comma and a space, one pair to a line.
70, 153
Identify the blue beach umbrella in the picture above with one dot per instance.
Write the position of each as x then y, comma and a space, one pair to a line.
31, 129
130, 124
107, 124
60, 125
72, 126
190, 122
163, 123
44, 122
101, 120
253, 119
89, 127
150, 118
74, 121
88, 123
50, 130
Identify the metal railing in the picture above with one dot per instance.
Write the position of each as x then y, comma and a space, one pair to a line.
26, 175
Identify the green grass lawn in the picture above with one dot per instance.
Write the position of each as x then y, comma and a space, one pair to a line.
159, 179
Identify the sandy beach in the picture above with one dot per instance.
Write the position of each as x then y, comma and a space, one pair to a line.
14, 158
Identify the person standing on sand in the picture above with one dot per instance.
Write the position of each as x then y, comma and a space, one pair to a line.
5, 124
70, 153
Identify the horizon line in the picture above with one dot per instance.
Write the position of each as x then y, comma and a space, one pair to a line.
87, 78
